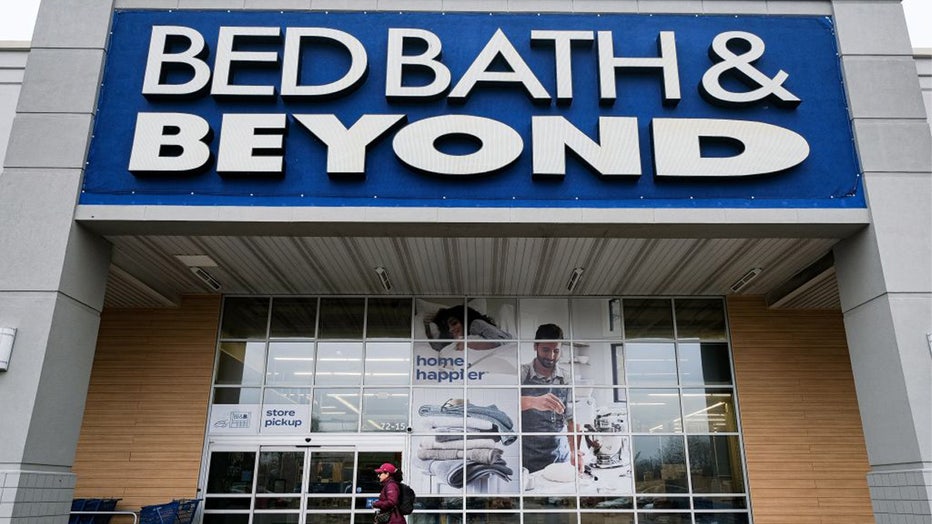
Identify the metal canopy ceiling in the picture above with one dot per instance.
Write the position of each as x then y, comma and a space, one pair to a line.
146, 272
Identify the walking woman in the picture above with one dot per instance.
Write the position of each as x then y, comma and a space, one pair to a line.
387, 504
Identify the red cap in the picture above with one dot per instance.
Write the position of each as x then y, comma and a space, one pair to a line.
386, 468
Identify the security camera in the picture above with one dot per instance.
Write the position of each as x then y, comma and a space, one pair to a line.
307, 439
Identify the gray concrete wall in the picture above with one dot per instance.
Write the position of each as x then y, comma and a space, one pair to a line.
52, 271
885, 271
12, 65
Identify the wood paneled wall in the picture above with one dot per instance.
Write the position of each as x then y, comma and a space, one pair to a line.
804, 443
144, 422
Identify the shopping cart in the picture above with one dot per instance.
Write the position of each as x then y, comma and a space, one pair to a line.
179, 511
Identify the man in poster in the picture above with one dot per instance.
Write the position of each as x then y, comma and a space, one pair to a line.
548, 408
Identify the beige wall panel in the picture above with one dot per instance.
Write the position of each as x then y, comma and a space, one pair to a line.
806, 458
143, 428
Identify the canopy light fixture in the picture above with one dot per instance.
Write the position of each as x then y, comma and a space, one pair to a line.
574, 278
207, 278
746, 279
383, 278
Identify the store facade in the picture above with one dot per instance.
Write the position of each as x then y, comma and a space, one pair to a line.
600, 263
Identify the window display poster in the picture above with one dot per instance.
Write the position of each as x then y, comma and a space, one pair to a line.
240, 419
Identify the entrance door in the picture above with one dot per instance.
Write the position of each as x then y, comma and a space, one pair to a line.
319, 484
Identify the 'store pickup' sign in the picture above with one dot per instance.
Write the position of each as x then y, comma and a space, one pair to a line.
430, 109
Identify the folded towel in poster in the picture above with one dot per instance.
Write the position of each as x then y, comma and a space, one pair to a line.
459, 438
480, 455
472, 423
469, 443
452, 472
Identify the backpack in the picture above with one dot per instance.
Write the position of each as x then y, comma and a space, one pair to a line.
406, 498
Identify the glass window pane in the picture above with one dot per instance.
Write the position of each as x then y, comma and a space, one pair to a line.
607, 503
335, 410
323, 518
651, 364
705, 363
277, 502
618, 364
700, 318
341, 317
235, 410
435, 518
493, 518
229, 518
663, 502
715, 464
722, 518
231, 503
535, 312
368, 462
550, 502
607, 518
493, 366
293, 318
597, 364
318, 503
231, 472
279, 518
388, 318
664, 518
709, 411
241, 363
655, 411
290, 363
660, 464
494, 503
280, 472
331, 472
720, 503
245, 317
648, 318
339, 363
286, 410
388, 363
596, 318
549, 518
236, 396
425, 326
385, 409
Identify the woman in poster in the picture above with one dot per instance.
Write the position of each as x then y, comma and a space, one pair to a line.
448, 323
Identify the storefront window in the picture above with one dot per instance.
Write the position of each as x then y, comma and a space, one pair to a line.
244, 318
388, 363
704, 364
650, 364
511, 410
339, 363
290, 363
341, 318
648, 319
293, 318
241, 363
388, 318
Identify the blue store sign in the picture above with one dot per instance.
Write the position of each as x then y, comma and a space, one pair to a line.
431, 109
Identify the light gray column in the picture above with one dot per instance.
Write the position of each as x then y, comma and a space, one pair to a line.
52, 271
885, 272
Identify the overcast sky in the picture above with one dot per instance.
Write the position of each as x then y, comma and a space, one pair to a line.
18, 16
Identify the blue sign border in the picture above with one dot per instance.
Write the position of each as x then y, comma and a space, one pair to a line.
803, 46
